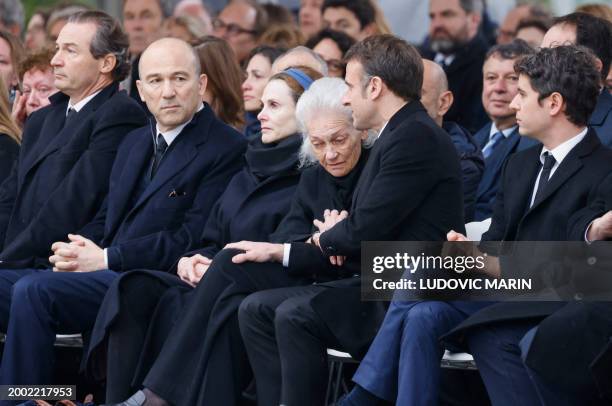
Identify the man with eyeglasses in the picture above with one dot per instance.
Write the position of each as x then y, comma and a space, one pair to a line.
241, 23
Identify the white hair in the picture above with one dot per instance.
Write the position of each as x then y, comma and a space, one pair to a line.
324, 95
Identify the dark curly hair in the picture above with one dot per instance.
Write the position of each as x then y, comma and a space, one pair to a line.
362, 9
568, 70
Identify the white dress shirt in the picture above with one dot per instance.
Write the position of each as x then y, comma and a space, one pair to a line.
559, 153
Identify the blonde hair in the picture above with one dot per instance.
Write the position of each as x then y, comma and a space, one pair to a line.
7, 125
380, 21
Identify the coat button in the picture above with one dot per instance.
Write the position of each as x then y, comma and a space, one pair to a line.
591, 260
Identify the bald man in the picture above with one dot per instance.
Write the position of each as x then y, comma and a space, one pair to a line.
437, 99
164, 181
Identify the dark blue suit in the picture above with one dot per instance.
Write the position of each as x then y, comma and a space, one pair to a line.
601, 119
489, 184
61, 178
143, 223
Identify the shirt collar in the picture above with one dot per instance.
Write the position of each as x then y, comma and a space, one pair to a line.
171, 135
446, 59
561, 151
507, 132
78, 106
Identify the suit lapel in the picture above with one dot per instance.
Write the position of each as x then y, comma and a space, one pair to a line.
570, 165
139, 160
496, 161
55, 136
602, 108
182, 151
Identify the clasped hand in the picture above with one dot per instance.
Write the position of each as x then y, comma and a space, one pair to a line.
79, 255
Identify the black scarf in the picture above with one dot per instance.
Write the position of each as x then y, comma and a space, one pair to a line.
274, 159
342, 188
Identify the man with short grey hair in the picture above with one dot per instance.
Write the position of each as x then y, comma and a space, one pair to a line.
454, 43
11, 16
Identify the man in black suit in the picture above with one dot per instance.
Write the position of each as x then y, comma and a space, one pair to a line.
558, 91
163, 184
454, 43
69, 147
409, 190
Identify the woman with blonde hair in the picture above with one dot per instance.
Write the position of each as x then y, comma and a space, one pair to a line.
223, 89
10, 135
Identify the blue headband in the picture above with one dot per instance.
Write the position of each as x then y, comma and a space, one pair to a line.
303, 79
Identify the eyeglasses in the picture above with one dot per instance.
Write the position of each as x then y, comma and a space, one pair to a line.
231, 29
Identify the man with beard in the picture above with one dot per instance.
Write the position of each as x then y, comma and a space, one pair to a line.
454, 43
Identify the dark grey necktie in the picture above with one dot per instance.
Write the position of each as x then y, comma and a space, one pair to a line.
160, 149
549, 162
70, 115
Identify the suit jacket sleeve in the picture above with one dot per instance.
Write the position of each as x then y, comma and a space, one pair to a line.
578, 223
165, 247
410, 166
85, 186
307, 260
94, 230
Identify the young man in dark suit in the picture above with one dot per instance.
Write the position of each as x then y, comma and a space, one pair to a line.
500, 138
409, 189
163, 184
558, 91
69, 147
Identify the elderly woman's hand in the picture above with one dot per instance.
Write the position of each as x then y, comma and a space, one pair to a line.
257, 252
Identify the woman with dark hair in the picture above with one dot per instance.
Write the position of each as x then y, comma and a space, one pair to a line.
141, 307
258, 71
224, 78
331, 46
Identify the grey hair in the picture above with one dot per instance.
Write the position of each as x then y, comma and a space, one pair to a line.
302, 49
472, 6
324, 94
108, 39
11, 12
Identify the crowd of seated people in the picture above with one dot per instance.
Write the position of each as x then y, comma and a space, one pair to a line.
188, 186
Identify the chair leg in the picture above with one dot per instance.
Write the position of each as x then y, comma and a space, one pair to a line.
338, 381
330, 382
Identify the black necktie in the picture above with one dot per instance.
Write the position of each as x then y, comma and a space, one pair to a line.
549, 162
70, 115
160, 149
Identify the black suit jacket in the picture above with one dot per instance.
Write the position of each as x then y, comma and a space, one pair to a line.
61, 178
465, 81
574, 184
153, 230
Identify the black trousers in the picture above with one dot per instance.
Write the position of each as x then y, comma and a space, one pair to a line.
149, 302
287, 345
203, 360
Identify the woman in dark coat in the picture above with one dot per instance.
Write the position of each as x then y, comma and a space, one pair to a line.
141, 306
203, 360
